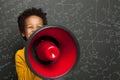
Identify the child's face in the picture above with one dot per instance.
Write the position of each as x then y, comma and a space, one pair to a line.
32, 23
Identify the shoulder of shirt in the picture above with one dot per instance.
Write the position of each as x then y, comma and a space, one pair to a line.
20, 52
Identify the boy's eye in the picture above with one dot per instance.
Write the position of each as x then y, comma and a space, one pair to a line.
29, 26
39, 26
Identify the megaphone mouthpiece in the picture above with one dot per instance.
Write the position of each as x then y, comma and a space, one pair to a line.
47, 51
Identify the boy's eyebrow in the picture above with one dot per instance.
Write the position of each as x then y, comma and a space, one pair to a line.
28, 25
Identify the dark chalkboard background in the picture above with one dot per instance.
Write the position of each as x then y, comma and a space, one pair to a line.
95, 23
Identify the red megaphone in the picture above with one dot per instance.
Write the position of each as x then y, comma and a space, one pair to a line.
52, 52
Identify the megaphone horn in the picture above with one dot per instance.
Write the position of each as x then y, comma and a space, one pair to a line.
52, 52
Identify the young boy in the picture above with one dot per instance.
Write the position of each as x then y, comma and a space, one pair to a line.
28, 21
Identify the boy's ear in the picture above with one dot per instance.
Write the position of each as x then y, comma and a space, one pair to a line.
23, 34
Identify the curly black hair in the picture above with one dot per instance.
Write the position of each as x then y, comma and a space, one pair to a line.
29, 12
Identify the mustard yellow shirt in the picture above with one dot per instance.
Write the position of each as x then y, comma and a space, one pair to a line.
22, 69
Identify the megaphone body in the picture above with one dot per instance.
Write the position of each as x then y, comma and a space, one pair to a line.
52, 52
